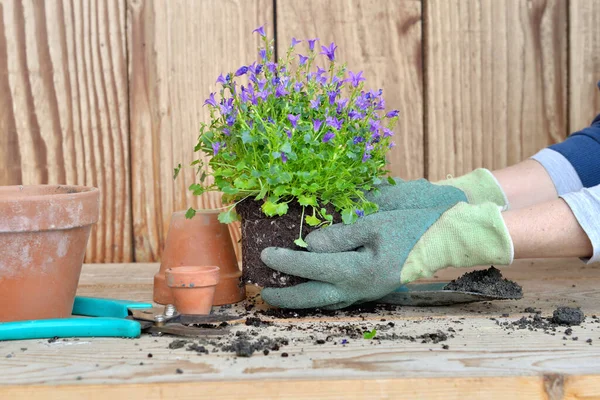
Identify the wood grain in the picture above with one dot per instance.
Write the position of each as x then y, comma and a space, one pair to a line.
482, 360
381, 38
496, 76
584, 62
177, 49
63, 108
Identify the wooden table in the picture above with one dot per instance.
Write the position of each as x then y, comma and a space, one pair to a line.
483, 360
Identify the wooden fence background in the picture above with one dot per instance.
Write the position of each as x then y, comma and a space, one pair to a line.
109, 93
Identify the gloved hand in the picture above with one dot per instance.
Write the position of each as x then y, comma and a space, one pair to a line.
476, 187
367, 260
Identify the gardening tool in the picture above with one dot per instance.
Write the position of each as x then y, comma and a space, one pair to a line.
433, 294
115, 318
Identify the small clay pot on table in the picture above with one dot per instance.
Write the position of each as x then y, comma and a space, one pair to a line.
193, 288
44, 231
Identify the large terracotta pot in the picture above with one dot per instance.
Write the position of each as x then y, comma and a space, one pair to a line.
201, 240
44, 231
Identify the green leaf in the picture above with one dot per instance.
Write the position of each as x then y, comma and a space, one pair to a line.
370, 335
176, 171
279, 190
269, 208
286, 148
196, 189
261, 195
282, 208
391, 181
230, 190
247, 137
301, 243
307, 200
190, 213
227, 217
241, 165
312, 220
195, 162
349, 216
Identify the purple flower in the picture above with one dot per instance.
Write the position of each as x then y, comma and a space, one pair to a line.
227, 131
283, 157
344, 341
368, 147
363, 102
259, 68
271, 66
315, 103
263, 94
263, 54
380, 104
295, 41
356, 79
353, 114
217, 146
358, 139
289, 133
231, 119
211, 100
387, 132
375, 125
317, 124
328, 136
341, 104
260, 30
241, 71
332, 95
221, 80
366, 156
298, 86
392, 114
334, 122
280, 91
226, 106
244, 96
303, 59
311, 43
392, 144
293, 119
360, 213
261, 84
329, 51
250, 123
270, 120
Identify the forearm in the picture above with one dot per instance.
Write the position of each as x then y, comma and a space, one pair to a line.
526, 184
547, 230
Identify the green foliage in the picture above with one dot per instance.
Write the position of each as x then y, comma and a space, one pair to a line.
370, 335
291, 131
190, 213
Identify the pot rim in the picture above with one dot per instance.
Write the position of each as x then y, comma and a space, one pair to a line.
81, 192
193, 270
200, 211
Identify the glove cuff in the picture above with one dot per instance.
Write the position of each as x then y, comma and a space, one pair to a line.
464, 236
480, 186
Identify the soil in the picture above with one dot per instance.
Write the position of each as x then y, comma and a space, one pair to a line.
488, 282
567, 316
260, 232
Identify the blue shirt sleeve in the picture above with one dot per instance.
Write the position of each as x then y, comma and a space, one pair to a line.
582, 149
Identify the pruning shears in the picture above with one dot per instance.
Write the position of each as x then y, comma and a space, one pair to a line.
114, 318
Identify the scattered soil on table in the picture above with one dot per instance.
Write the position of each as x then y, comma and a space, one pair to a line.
567, 316
260, 232
488, 282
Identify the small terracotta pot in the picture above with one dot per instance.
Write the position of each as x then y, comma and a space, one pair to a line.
44, 231
201, 240
193, 288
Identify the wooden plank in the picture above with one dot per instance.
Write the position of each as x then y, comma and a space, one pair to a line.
63, 114
584, 62
176, 51
496, 76
482, 360
390, 56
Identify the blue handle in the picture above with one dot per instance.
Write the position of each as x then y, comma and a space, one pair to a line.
69, 327
97, 307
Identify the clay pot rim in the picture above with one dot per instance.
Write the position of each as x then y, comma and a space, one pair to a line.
200, 211
21, 194
193, 269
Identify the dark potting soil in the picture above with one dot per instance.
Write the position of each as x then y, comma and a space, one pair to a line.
260, 232
488, 282
567, 316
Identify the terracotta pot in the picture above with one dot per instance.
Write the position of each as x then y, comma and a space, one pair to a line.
202, 240
193, 288
44, 230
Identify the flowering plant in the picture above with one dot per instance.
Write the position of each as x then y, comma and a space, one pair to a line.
290, 132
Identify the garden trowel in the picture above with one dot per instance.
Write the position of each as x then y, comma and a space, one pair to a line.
433, 294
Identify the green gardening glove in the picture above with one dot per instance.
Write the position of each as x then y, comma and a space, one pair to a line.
476, 187
369, 259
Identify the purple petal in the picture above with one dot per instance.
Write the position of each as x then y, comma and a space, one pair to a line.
293, 119
311, 43
328, 136
283, 157
260, 30
241, 71
295, 41
317, 124
211, 100
303, 59
289, 133
392, 114
263, 54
